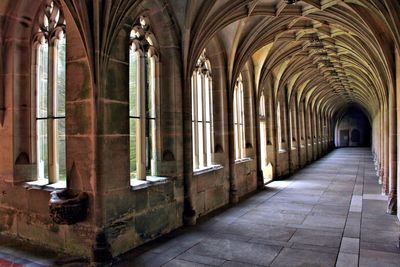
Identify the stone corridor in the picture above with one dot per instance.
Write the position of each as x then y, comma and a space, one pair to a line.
330, 213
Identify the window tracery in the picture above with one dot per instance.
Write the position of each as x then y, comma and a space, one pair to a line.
239, 122
143, 89
49, 83
201, 113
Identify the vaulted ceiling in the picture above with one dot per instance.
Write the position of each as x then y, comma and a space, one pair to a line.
334, 53
330, 53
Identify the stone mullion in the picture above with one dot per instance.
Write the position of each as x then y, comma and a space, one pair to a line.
195, 129
237, 123
51, 125
154, 93
204, 121
242, 124
238, 107
210, 108
35, 83
141, 128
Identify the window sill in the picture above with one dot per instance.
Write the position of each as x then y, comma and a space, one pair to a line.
281, 151
44, 184
137, 184
243, 160
207, 169
294, 148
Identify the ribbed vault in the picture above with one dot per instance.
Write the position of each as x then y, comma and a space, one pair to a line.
329, 53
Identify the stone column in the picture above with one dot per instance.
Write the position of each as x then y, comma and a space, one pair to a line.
233, 192
381, 146
397, 88
297, 116
392, 200
307, 133
287, 132
312, 133
385, 189
195, 139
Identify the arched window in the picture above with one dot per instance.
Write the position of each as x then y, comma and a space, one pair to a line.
201, 113
49, 83
143, 87
279, 125
309, 126
292, 126
238, 117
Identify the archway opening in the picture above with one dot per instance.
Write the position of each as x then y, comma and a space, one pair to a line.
353, 129
268, 173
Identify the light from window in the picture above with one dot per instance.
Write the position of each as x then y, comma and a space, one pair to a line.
263, 132
142, 101
279, 125
238, 117
201, 113
50, 95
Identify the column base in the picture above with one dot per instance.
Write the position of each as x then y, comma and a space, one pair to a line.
392, 204
101, 251
189, 218
233, 197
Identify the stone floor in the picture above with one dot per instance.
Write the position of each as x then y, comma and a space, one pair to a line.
331, 213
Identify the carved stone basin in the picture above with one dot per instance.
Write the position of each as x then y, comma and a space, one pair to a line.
68, 207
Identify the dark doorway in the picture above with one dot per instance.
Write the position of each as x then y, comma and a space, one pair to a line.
344, 138
355, 136
353, 129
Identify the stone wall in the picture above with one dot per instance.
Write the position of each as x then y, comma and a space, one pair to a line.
24, 214
143, 214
